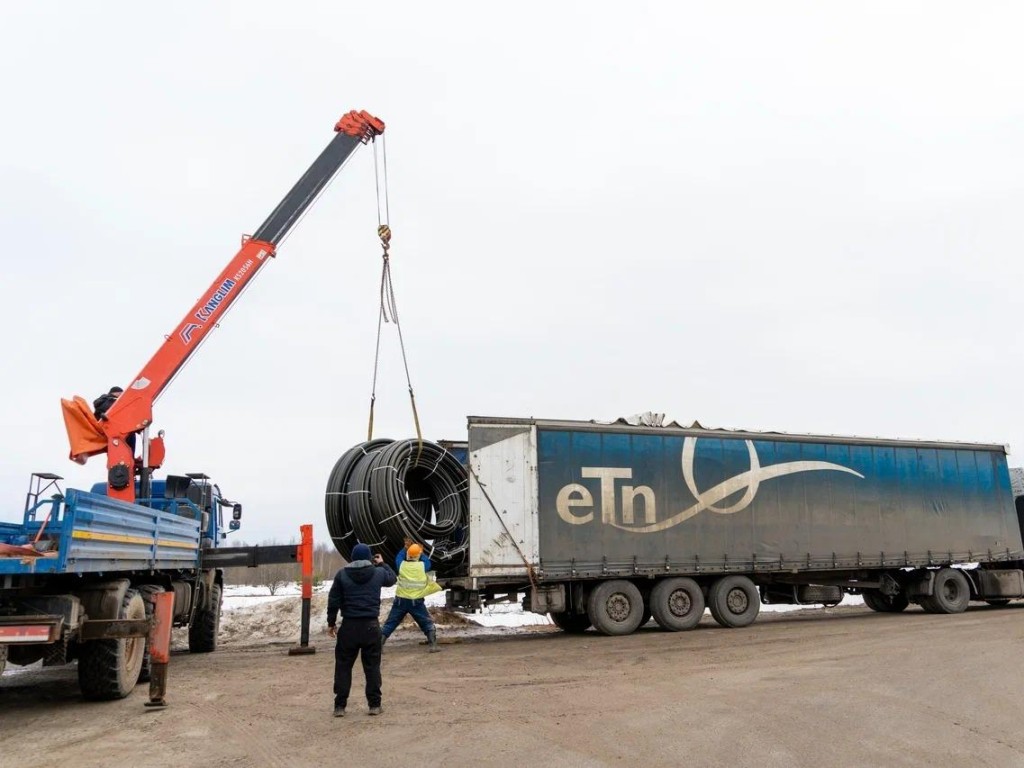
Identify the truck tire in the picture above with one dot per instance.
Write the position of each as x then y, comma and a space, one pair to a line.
950, 592
734, 601
109, 669
573, 623
615, 607
3, 658
998, 602
677, 604
883, 603
202, 634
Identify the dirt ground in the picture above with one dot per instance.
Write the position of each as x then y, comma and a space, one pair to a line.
839, 687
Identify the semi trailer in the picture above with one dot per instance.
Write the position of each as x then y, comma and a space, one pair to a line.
607, 525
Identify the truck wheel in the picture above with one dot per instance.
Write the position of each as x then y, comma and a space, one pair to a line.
734, 601
615, 607
573, 623
883, 603
202, 635
3, 658
677, 604
950, 592
109, 669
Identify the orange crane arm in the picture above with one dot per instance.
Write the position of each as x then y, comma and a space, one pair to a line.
133, 410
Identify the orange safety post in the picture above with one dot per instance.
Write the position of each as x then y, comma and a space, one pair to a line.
160, 646
304, 554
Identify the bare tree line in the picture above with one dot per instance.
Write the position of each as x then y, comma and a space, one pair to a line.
326, 562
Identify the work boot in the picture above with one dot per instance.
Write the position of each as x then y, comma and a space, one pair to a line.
339, 711
374, 710
432, 639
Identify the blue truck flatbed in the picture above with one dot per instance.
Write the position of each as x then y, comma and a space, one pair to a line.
91, 533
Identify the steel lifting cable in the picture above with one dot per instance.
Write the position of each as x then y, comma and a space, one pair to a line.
388, 312
384, 491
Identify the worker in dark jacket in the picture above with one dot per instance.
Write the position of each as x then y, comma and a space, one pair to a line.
103, 403
356, 593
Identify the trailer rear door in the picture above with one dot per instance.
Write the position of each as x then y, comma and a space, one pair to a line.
503, 503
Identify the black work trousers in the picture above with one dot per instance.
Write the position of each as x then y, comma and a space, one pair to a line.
357, 637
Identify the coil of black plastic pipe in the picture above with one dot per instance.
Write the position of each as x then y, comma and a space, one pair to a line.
383, 491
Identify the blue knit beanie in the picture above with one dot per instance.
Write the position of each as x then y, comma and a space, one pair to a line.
360, 552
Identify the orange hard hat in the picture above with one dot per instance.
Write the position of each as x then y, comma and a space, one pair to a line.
414, 550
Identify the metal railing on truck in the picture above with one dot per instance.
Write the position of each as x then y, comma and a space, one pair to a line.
86, 533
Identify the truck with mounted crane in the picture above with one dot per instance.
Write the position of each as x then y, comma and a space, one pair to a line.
79, 570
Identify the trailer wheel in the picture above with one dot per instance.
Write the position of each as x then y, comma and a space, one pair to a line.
615, 607
109, 669
734, 601
950, 592
202, 635
573, 623
677, 604
878, 601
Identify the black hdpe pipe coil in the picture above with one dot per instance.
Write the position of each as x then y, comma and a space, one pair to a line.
382, 491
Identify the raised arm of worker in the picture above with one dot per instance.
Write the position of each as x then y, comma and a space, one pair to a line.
400, 558
389, 578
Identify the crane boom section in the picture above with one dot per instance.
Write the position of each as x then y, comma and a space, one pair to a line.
133, 410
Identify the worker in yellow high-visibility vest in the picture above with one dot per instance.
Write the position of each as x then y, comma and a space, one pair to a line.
413, 587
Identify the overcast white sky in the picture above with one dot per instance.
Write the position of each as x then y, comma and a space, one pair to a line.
787, 216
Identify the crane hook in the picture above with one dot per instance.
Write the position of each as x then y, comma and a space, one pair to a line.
384, 233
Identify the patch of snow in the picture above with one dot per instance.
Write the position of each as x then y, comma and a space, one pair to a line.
241, 596
252, 614
848, 600
13, 669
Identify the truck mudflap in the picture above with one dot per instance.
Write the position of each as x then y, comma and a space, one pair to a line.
546, 598
23, 630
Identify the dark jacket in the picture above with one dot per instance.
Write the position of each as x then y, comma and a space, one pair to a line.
102, 404
356, 591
